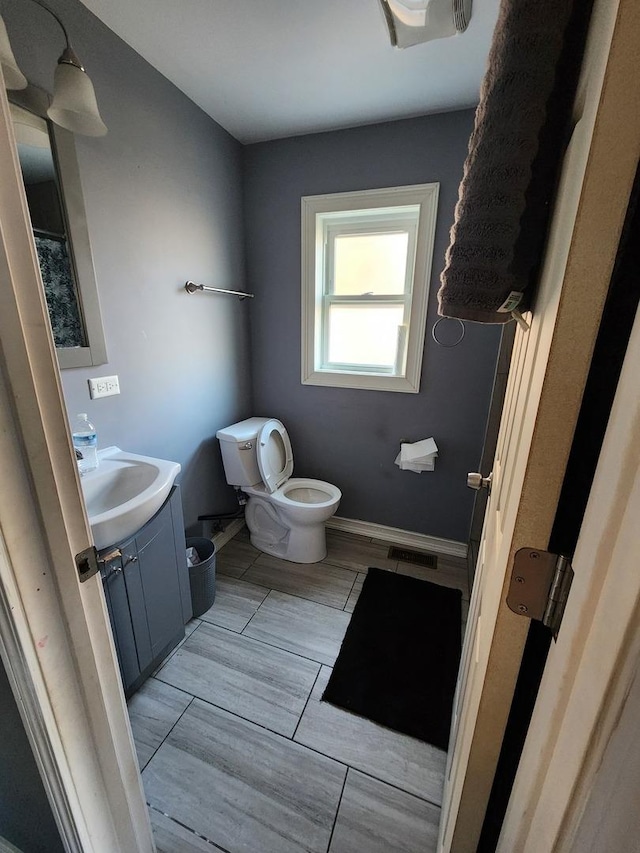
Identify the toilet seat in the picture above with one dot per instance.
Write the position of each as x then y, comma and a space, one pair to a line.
274, 455
298, 492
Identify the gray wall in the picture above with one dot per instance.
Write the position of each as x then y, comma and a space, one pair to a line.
351, 437
164, 203
26, 819
163, 199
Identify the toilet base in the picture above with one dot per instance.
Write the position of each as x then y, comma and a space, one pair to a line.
292, 529
307, 545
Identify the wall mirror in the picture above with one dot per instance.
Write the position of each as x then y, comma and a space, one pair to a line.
54, 195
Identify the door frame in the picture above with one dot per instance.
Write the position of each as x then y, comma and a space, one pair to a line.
593, 194
55, 640
591, 670
611, 348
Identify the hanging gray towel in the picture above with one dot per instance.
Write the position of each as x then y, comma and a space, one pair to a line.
488, 263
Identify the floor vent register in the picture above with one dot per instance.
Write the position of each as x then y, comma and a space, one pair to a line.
405, 555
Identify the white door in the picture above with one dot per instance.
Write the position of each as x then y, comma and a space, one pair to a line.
55, 641
578, 782
549, 367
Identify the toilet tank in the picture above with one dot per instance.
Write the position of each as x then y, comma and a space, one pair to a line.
238, 447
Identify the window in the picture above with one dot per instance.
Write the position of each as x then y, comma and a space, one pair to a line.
366, 265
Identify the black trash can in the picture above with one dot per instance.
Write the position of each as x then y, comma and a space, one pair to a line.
202, 577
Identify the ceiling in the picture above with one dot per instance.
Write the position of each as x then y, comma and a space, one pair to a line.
266, 69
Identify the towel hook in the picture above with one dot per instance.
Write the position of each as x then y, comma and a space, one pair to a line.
455, 343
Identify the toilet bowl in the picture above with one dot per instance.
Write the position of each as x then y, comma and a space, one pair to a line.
285, 515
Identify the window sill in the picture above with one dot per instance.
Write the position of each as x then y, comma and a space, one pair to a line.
362, 381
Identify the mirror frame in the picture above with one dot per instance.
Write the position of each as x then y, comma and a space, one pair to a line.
63, 150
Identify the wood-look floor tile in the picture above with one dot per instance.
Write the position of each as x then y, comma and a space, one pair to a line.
376, 818
235, 603
321, 582
191, 626
258, 682
456, 562
465, 617
400, 760
303, 627
244, 788
444, 575
170, 837
450, 559
465, 610
243, 535
236, 553
153, 711
228, 568
357, 555
355, 592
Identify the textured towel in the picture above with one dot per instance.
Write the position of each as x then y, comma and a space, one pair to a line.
493, 251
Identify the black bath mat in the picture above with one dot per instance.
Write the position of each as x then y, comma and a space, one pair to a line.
398, 662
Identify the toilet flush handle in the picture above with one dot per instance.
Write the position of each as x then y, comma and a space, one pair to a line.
248, 445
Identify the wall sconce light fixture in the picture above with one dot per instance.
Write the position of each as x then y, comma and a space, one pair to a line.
74, 104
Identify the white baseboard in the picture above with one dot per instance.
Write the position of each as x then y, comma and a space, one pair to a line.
223, 536
399, 537
366, 528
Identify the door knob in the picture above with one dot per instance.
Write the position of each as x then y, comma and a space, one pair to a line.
477, 481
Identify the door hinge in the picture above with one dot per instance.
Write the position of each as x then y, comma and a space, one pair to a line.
539, 587
89, 562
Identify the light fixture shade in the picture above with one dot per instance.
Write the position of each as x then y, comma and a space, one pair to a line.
412, 13
414, 22
13, 77
74, 104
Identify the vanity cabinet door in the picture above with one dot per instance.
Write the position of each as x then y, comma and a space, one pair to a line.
120, 615
148, 593
159, 579
136, 603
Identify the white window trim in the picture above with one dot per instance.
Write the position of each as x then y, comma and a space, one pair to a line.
425, 195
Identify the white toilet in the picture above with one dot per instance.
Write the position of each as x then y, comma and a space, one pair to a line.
285, 515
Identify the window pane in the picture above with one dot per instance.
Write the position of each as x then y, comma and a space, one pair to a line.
370, 263
364, 334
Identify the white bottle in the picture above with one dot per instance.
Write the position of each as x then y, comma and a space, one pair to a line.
85, 442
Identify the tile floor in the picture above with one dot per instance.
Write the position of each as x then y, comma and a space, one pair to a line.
238, 753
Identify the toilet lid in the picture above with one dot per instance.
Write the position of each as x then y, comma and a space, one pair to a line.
275, 457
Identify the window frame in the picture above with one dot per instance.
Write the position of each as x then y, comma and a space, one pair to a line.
315, 296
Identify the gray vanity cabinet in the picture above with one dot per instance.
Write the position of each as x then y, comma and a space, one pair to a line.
148, 594
120, 616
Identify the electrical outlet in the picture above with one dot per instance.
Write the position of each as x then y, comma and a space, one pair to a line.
104, 386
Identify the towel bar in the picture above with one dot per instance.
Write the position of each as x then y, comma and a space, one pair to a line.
191, 287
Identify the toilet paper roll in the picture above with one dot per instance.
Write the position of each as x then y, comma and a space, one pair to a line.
417, 456
418, 450
417, 467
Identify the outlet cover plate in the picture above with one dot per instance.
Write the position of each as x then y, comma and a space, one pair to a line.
104, 386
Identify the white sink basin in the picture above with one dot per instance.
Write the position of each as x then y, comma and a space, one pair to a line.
124, 492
